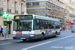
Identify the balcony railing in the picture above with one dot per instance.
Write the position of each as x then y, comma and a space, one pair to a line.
56, 6
1, 9
72, 15
23, 0
36, 6
16, 11
71, 8
8, 10
22, 12
16, 0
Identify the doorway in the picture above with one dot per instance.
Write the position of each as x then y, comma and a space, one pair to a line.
8, 25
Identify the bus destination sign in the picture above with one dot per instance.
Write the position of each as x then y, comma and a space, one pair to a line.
23, 16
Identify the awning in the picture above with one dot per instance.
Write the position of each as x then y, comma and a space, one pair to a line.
68, 23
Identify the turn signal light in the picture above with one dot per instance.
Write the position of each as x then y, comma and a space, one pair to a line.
13, 35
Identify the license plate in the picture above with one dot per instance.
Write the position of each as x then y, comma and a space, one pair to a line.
22, 38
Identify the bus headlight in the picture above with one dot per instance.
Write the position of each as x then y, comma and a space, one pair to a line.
32, 35
32, 32
14, 32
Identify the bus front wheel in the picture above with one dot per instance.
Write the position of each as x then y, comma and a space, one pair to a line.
24, 40
42, 37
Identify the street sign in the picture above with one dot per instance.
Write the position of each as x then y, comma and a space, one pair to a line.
5, 15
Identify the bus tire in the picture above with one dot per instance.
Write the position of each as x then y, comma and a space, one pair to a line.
55, 35
59, 33
24, 40
42, 37
27, 40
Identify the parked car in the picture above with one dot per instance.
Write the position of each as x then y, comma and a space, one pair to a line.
73, 29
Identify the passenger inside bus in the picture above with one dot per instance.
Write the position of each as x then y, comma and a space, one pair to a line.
19, 26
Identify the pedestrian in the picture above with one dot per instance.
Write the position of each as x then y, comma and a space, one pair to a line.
63, 28
1, 30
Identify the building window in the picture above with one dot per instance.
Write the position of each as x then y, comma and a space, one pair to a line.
22, 9
4, 0
28, 4
8, 6
58, 0
1, 5
35, 3
12, 1
16, 7
53, 6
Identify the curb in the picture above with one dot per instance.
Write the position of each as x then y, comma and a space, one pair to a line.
6, 39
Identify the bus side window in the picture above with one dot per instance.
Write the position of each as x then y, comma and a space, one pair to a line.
57, 27
36, 24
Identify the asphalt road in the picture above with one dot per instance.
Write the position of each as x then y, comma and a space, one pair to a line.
65, 41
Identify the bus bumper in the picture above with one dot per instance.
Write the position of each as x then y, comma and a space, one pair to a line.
25, 36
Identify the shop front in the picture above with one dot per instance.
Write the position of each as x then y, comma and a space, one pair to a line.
6, 21
68, 25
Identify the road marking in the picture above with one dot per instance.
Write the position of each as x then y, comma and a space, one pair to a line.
46, 43
5, 43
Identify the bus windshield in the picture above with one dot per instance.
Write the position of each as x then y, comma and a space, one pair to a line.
22, 25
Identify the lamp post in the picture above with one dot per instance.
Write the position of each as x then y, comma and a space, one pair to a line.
64, 19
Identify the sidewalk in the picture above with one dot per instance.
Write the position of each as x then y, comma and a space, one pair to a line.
65, 31
6, 38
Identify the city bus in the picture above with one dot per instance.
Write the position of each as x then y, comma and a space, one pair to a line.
28, 27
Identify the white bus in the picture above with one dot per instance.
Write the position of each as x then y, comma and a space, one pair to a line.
27, 27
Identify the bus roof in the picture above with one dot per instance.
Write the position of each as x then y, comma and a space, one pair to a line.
41, 17
45, 18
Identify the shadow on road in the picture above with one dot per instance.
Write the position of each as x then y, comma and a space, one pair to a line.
37, 40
